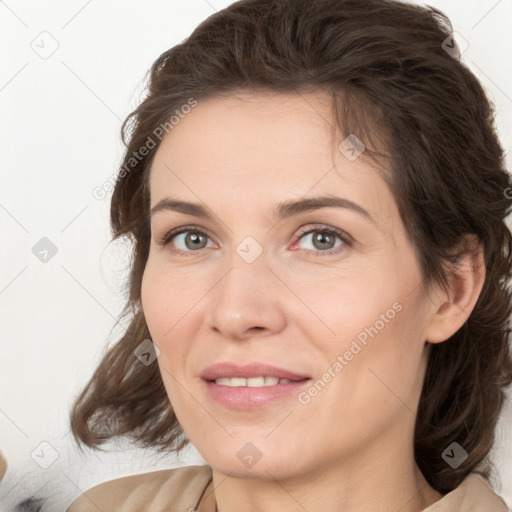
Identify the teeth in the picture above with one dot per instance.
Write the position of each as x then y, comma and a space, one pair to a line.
223, 381
256, 382
251, 382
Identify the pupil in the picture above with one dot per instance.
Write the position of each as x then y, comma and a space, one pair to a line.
323, 241
195, 238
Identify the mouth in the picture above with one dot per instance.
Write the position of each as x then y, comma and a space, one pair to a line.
232, 370
250, 382
251, 386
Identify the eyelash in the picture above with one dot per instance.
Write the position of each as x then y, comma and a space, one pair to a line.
344, 237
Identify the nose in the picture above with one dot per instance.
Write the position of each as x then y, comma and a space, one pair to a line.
246, 302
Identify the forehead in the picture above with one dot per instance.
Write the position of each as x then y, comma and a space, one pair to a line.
253, 129
259, 149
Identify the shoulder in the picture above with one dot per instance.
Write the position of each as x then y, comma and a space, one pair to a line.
171, 489
474, 494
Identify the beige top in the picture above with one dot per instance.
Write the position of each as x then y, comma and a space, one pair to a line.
190, 489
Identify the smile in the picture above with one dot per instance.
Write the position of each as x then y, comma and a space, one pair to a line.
249, 386
251, 382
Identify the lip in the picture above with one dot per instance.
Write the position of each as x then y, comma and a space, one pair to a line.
229, 369
247, 398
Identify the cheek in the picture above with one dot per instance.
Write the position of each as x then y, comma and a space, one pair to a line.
154, 302
374, 319
168, 298
383, 364
347, 306
161, 312
170, 302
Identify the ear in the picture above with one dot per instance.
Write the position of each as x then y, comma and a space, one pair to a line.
452, 307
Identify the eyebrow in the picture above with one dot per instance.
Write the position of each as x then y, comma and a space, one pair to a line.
281, 210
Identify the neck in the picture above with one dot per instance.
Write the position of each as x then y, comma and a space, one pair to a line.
316, 493
378, 479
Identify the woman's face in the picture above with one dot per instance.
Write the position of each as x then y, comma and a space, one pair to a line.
291, 263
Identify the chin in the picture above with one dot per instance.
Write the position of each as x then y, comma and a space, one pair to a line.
268, 470
249, 460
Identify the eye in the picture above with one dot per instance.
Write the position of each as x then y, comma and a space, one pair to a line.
319, 240
324, 240
186, 240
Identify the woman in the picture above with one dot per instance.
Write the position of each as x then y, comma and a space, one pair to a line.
318, 296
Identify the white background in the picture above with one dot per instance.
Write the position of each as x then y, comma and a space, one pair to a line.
60, 123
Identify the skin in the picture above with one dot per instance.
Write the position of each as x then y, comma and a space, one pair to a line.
350, 447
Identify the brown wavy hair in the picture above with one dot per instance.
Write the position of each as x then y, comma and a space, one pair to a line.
396, 87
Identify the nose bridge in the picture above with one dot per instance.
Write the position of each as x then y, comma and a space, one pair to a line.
246, 298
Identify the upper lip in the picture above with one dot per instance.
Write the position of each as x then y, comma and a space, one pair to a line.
231, 369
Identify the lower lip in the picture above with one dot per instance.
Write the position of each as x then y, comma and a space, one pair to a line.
247, 398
